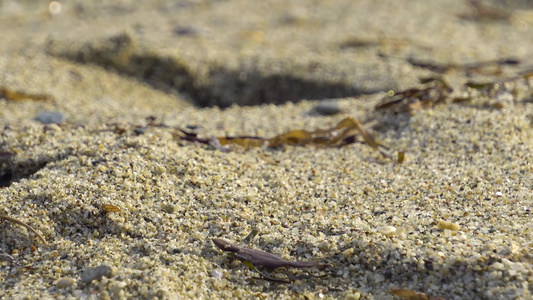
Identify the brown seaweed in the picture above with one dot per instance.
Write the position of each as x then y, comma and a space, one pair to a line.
344, 133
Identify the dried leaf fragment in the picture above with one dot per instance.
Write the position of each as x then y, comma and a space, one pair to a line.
248, 239
13, 95
412, 295
401, 157
263, 259
109, 208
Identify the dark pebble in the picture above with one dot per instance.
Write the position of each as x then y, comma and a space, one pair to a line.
327, 108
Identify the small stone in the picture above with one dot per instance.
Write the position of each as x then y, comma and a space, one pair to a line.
379, 278
349, 252
387, 230
168, 208
328, 108
50, 117
217, 274
448, 225
64, 282
117, 286
97, 273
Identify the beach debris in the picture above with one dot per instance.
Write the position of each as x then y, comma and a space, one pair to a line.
327, 108
483, 12
401, 157
6, 155
6, 257
168, 208
13, 95
50, 117
109, 208
96, 273
448, 225
64, 282
344, 133
13, 220
248, 239
492, 67
416, 98
261, 258
387, 230
253, 258
217, 274
412, 295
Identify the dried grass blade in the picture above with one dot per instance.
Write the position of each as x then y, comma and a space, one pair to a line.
4, 217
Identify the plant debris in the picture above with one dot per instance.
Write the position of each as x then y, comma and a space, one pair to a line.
483, 67
412, 295
263, 259
483, 12
344, 133
4, 217
13, 95
414, 99
5, 156
253, 258
248, 239
108, 208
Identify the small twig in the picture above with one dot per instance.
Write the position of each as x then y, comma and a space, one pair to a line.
4, 217
263, 259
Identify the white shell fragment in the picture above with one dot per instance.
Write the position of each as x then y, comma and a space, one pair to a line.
387, 230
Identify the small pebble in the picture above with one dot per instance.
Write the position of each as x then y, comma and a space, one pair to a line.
448, 225
328, 108
168, 208
217, 274
50, 117
64, 282
97, 273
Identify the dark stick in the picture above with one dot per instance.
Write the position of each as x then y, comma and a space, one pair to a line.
263, 259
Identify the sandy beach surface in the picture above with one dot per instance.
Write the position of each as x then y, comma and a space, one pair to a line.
109, 118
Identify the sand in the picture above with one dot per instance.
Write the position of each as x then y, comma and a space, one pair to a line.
128, 209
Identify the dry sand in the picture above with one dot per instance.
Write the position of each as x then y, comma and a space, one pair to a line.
452, 221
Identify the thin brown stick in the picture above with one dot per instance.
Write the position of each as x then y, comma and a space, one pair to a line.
4, 217
263, 259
